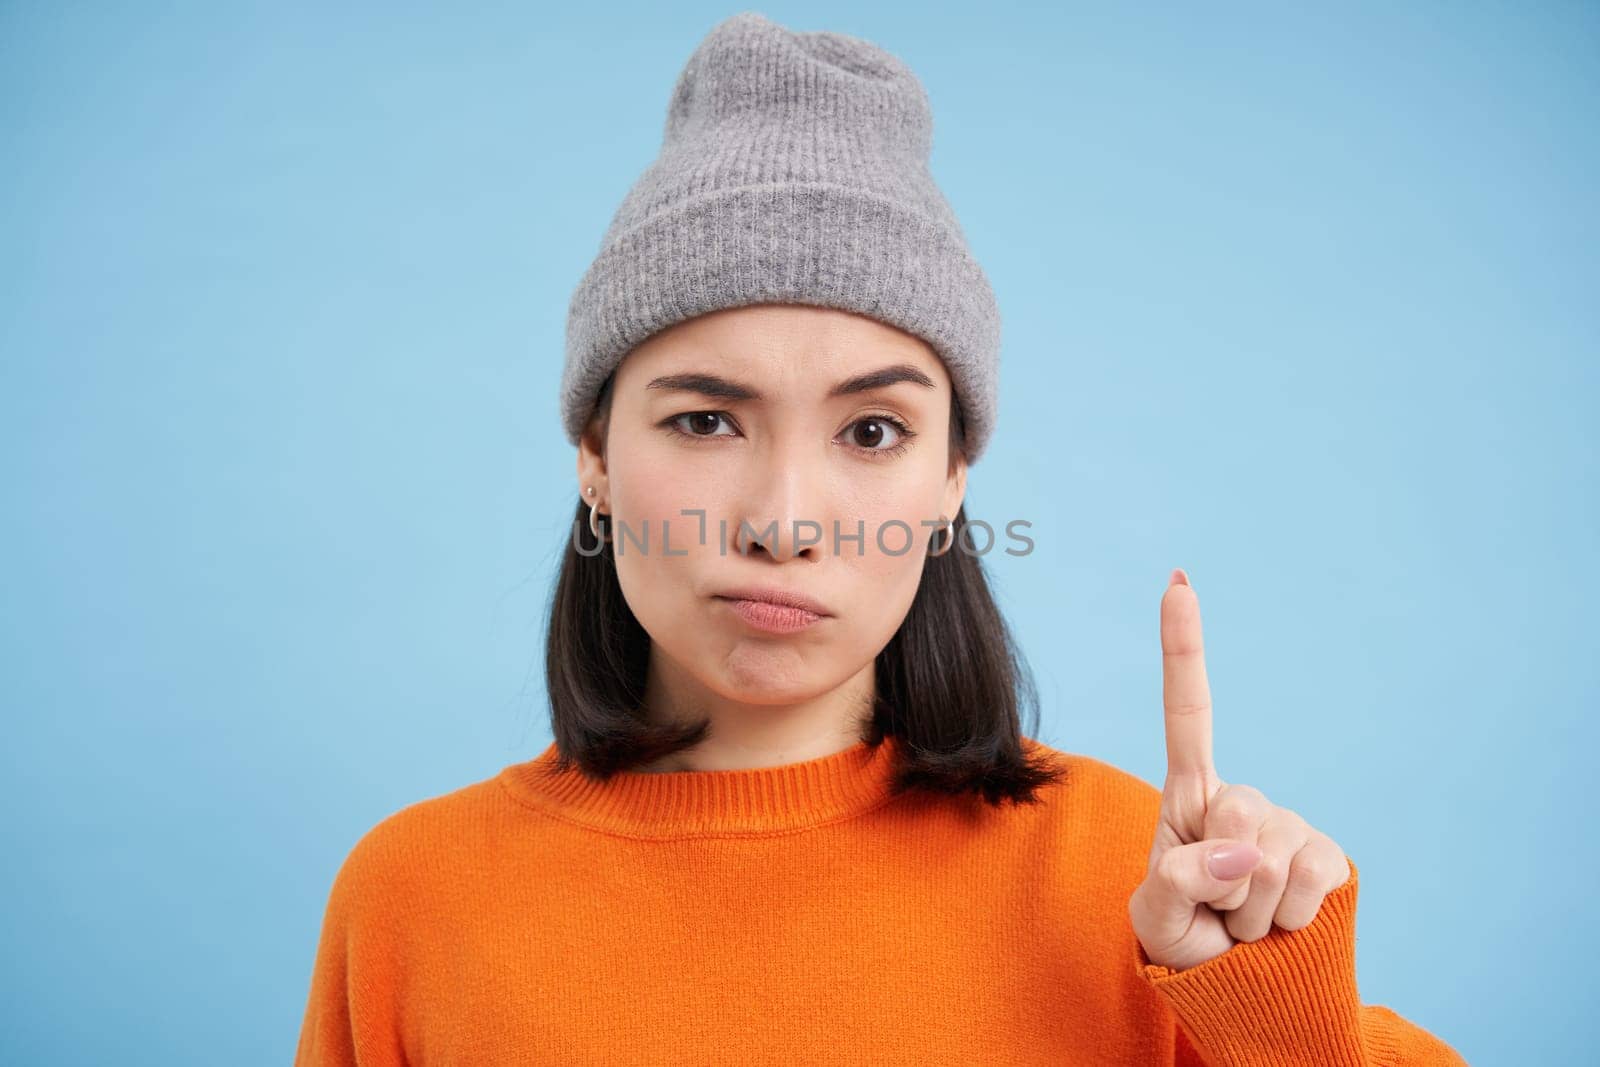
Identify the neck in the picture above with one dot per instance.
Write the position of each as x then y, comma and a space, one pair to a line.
778, 729
756, 801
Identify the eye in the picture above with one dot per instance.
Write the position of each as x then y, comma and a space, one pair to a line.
879, 434
698, 423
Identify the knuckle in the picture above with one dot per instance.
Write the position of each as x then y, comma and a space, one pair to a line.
1243, 929
1232, 902
1230, 805
1272, 872
1232, 815
1252, 796
1243, 801
1314, 869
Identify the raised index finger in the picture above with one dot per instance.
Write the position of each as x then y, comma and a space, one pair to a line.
1185, 692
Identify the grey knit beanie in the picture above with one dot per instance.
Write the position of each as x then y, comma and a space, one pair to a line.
794, 169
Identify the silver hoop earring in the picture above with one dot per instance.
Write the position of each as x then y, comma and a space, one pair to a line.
949, 539
592, 527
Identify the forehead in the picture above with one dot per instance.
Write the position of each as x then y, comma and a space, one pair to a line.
781, 347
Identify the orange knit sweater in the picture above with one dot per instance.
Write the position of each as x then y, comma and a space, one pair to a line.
800, 914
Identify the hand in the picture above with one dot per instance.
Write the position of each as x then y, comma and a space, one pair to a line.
1226, 863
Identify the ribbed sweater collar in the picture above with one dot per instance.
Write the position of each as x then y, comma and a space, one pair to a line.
748, 802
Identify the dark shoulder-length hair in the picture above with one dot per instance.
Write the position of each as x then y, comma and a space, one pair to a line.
951, 683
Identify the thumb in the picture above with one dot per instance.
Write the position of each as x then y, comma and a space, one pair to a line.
1186, 876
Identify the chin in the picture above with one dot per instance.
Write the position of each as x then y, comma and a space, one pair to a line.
761, 672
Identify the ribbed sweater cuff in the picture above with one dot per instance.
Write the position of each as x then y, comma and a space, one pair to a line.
1290, 997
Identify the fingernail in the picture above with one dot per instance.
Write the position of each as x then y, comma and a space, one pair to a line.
1233, 860
1178, 577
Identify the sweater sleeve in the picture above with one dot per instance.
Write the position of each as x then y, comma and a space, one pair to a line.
1290, 997
350, 1018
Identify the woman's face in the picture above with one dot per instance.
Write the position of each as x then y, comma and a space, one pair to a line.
761, 415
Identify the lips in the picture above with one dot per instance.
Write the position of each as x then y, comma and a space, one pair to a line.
783, 598
775, 611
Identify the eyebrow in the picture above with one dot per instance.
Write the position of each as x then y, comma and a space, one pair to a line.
727, 389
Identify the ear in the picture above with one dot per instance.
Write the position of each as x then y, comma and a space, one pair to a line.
955, 489
591, 465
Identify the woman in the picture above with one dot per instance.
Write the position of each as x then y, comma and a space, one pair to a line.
790, 813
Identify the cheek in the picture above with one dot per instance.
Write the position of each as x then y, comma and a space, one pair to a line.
885, 570
662, 582
659, 558
651, 480
651, 487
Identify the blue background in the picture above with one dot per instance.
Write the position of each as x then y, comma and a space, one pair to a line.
1302, 302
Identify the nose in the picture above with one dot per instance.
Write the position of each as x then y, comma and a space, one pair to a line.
779, 540
783, 518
